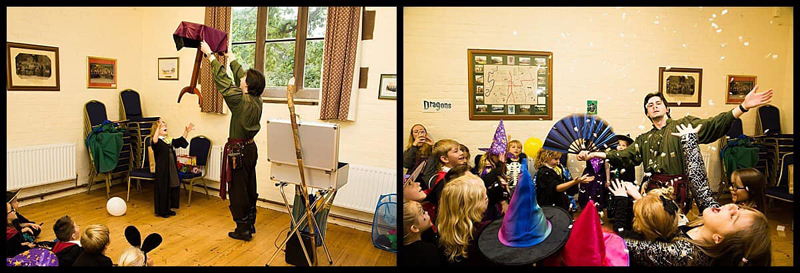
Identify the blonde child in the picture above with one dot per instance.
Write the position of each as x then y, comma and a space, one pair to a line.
133, 256
513, 163
551, 186
461, 208
417, 252
95, 241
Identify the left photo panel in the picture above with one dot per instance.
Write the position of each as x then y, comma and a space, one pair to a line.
202, 136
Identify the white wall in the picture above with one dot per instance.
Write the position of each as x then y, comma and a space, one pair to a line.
137, 37
41, 118
610, 55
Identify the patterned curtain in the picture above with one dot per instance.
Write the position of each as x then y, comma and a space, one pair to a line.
219, 18
341, 40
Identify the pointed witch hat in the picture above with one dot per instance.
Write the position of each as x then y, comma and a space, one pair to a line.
499, 142
527, 232
589, 245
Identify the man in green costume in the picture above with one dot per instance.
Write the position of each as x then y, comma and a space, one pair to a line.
661, 154
241, 153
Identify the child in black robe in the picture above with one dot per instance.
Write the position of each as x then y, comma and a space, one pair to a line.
164, 165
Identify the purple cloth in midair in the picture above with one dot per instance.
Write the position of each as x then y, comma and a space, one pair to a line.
33, 257
190, 34
596, 189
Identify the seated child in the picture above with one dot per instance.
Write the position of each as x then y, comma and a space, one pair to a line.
15, 244
747, 188
133, 256
621, 171
461, 208
513, 163
68, 247
21, 223
551, 186
416, 251
95, 240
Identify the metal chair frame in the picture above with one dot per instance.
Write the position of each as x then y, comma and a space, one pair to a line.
108, 176
204, 172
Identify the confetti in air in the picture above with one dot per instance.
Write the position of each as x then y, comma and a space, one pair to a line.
621, 35
725, 11
740, 38
575, 128
641, 127
768, 54
669, 67
710, 102
721, 58
746, 43
684, 45
714, 15
679, 103
774, 56
515, 33
655, 22
723, 44
719, 30
623, 16
714, 25
765, 131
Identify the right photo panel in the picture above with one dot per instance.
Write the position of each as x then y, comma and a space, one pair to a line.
597, 136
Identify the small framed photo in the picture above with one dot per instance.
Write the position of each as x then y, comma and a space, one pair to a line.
168, 68
479, 99
479, 90
101, 72
738, 87
510, 60
524, 61
681, 86
496, 60
541, 61
478, 69
498, 108
512, 109
479, 79
542, 70
525, 109
540, 80
480, 59
388, 87
481, 109
32, 68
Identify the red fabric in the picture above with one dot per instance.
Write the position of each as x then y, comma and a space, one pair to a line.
10, 232
61, 246
190, 34
439, 177
589, 245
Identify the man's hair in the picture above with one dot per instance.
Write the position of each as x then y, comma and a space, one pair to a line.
64, 228
255, 82
663, 100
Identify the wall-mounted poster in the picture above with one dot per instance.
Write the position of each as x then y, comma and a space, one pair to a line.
32, 68
681, 86
168, 68
738, 87
102, 72
591, 107
510, 84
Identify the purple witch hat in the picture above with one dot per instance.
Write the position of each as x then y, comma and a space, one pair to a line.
33, 257
499, 142
527, 233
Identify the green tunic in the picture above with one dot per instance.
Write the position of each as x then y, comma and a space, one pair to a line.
660, 151
245, 109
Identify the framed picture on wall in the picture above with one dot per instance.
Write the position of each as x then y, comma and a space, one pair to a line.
32, 67
510, 84
738, 87
168, 68
101, 72
388, 87
681, 86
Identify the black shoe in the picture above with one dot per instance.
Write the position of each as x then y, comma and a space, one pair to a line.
240, 235
252, 228
171, 213
164, 215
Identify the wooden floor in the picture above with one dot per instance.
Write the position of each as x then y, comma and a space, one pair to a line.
198, 235
780, 214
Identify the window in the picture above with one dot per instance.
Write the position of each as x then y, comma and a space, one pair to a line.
282, 42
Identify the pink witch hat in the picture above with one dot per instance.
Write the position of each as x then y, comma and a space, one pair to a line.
589, 245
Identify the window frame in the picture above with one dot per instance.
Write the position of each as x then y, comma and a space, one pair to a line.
300, 40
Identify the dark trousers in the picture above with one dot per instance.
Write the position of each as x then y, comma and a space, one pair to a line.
242, 188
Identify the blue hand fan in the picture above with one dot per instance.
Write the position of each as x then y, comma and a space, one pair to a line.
580, 132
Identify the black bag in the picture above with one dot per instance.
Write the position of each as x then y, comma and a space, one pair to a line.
294, 252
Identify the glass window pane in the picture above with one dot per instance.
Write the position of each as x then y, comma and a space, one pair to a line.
313, 65
281, 22
244, 23
317, 16
279, 63
245, 54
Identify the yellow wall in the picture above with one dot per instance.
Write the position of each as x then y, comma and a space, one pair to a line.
611, 55
137, 37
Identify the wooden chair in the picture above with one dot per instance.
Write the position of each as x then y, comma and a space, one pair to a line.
200, 147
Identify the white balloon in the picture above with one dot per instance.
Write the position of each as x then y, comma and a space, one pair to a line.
116, 206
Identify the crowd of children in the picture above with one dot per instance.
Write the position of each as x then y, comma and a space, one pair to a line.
445, 211
71, 246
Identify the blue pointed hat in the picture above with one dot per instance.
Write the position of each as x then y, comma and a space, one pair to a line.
527, 233
499, 142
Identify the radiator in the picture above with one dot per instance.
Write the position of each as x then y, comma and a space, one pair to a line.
365, 185
214, 162
39, 165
